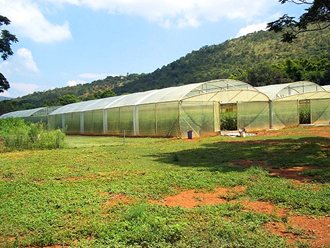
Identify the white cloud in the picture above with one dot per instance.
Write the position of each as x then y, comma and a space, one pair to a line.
21, 62
26, 59
87, 77
251, 28
28, 20
179, 13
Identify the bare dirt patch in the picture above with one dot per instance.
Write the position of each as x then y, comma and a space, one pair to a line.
314, 231
117, 199
263, 207
321, 131
292, 173
191, 198
280, 229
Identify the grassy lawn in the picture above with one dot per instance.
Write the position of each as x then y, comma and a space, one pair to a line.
101, 191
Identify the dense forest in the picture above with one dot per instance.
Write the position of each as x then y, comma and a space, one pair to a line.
259, 59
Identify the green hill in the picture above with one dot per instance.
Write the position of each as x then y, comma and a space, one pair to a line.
259, 58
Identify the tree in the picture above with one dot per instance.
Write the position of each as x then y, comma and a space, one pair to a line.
315, 18
6, 40
67, 99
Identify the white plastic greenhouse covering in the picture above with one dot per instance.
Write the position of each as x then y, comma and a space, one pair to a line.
301, 102
203, 108
164, 112
21, 113
326, 87
33, 115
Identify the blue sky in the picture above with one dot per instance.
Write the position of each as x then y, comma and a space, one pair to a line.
67, 42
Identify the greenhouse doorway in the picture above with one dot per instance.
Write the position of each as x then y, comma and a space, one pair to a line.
304, 111
228, 116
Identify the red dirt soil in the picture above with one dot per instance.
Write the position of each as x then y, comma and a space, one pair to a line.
263, 207
289, 173
321, 131
191, 198
315, 231
292, 173
117, 199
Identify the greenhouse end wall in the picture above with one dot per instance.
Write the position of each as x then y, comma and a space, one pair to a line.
320, 111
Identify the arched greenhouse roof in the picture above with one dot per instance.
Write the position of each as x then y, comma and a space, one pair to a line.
326, 87
295, 90
43, 111
22, 113
170, 94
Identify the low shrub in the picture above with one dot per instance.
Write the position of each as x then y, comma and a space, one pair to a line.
16, 134
229, 121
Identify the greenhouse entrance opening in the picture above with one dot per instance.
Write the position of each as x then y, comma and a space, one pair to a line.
305, 111
228, 116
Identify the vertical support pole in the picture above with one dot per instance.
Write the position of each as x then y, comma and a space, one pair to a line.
271, 119
82, 124
105, 121
179, 121
298, 112
63, 122
136, 120
156, 120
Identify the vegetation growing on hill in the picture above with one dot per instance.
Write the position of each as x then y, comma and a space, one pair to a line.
259, 59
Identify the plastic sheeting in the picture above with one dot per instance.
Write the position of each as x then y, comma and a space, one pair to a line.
72, 123
278, 91
320, 111
167, 119
197, 117
285, 114
253, 115
198, 107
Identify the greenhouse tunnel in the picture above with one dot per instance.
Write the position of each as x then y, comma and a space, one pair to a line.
301, 102
32, 115
168, 112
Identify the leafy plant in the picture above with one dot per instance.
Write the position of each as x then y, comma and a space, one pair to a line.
18, 135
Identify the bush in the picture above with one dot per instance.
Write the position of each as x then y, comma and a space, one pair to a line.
229, 121
16, 134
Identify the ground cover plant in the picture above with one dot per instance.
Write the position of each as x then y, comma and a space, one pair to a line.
17, 134
271, 190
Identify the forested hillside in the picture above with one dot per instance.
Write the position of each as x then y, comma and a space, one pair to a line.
259, 59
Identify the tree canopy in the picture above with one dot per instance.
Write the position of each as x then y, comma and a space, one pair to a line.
6, 40
315, 18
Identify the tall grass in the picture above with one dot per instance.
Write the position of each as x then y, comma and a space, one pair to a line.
16, 134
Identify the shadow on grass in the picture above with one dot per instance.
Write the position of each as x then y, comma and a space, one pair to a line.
312, 152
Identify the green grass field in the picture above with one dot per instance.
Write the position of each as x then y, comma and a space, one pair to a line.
69, 197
